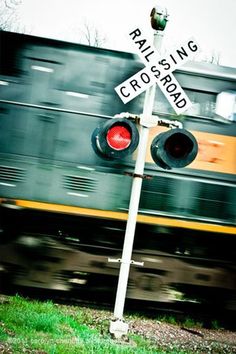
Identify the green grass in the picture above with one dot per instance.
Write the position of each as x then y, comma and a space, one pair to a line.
28, 326
186, 322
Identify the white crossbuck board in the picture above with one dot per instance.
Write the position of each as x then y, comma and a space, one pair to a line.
158, 70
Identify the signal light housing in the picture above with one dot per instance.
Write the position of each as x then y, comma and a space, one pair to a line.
116, 138
159, 18
175, 148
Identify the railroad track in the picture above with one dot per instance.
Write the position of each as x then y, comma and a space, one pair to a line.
177, 312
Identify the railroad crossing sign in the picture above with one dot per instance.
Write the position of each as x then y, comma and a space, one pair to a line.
158, 70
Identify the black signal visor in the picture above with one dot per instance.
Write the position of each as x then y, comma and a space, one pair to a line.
175, 148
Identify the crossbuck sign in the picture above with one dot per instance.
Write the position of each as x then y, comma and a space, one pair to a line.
158, 70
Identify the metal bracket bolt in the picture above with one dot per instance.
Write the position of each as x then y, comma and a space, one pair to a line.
119, 260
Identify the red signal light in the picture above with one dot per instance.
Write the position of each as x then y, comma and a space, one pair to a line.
119, 137
115, 138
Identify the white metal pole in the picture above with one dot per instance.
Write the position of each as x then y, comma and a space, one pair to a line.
131, 224
134, 198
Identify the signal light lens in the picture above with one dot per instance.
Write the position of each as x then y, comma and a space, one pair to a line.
119, 137
116, 138
175, 148
178, 146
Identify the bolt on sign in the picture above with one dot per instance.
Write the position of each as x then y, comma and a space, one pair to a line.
158, 70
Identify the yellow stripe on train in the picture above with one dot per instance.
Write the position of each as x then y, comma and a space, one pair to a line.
116, 215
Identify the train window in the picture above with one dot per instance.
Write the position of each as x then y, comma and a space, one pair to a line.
77, 94
4, 83
42, 68
226, 105
203, 104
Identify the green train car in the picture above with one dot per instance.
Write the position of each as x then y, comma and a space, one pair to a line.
63, 208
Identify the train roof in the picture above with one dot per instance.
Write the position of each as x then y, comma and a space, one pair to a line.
209, 69
191, 67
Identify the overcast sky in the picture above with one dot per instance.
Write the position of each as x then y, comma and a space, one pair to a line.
211, 22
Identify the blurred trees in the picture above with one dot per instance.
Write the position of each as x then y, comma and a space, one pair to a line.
87, 33
9, 20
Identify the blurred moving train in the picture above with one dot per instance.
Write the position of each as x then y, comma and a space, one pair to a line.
63, 208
